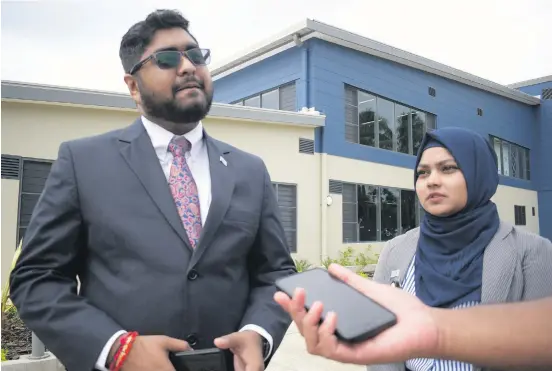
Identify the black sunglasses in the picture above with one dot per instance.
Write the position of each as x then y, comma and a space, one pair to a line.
171, 58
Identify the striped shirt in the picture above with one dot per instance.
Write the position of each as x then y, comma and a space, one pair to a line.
423, 364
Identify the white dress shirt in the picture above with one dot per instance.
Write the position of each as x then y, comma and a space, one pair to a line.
198, 161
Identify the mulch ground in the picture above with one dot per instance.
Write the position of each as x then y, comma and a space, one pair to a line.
16, 338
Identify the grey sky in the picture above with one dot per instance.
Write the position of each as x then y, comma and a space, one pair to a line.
76, 42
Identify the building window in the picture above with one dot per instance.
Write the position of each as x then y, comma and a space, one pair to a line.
286, 195
374, 213
33, 179
519, 215
378, 122
513, 160
282, 98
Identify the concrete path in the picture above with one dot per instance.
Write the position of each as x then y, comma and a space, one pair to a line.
292, 355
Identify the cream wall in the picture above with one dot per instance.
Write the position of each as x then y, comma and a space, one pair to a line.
354, 171
36, 130
10, 204
505, 199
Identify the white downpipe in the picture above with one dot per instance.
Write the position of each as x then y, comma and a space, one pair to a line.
324, 191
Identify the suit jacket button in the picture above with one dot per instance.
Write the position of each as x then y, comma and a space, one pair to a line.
192, 340
192, 275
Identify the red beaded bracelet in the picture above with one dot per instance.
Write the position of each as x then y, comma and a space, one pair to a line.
120, 356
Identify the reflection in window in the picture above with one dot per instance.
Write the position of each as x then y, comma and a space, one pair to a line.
389, 213
397, 128
386, 119
513, 160
367, 212
253, 102
373, 213
366, 118
350, 213
281, 98
402, 131
418, 130
271, 99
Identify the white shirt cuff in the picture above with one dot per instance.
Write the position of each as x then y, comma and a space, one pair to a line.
261, 331
100, 363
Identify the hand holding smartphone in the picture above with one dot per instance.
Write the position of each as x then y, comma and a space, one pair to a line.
358, 317
199, 360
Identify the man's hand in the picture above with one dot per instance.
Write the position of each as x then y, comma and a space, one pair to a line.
151, 353
415, 334
247, 349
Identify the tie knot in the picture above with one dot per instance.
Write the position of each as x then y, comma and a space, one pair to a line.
179, 145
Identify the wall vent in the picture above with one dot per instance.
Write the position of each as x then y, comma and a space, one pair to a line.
306, 146
431, 91
11, 166
336, 186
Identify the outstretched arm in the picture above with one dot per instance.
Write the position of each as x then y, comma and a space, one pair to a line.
488, 335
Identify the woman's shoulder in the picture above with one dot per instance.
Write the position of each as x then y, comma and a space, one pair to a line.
405, 240
524, 239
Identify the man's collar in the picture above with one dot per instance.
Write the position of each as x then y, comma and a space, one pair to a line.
160, 137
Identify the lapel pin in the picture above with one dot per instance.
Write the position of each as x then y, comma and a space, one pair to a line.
223, 161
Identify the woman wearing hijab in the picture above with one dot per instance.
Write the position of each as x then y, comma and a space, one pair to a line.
462, 254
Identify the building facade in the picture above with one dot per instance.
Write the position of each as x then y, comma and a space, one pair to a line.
343, 178
378, 102
36, 119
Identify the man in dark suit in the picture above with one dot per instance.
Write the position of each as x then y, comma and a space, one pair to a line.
173, 234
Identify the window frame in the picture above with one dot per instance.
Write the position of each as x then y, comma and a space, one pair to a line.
520, 215
276, 185
241, 101
418, 212
524, 159
21, 193
377, 118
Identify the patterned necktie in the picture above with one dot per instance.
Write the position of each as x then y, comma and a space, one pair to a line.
184, 190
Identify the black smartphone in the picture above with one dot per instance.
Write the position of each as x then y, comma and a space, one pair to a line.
358, 317
212, 359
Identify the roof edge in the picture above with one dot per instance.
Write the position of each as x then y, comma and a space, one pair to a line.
264, 46
316, 29
535, 81
14, 91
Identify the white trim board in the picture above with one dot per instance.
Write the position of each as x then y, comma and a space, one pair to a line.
14, 91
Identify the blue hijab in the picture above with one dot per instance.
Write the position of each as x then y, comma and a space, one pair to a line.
449, 257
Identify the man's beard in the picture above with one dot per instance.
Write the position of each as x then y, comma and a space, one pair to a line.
170, 109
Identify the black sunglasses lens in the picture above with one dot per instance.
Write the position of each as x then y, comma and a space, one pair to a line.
199, 56
168, 59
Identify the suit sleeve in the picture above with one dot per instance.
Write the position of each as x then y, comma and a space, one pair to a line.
537, 270
269, 260
43, 282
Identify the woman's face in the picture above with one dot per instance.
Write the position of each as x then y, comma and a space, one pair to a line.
441, 187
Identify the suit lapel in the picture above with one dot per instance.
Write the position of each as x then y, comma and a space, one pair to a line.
498, 267
137, 150
222, 188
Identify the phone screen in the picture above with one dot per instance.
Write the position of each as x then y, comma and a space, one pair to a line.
199, 360
358, 316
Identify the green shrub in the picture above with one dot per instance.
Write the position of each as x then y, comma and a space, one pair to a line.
302, 265
349, 257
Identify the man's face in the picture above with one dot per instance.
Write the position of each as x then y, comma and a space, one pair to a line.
180, 95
